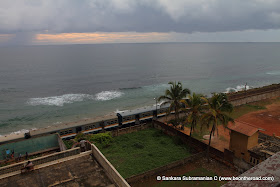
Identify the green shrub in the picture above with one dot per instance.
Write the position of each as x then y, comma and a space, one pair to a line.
104, 139
68, 143
80, 136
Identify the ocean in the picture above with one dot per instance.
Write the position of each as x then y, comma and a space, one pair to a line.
41, 86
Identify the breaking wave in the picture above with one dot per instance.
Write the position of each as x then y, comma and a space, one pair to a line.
237, 88
273, 73
59, 100
22, 131
119, 111
71, 98
108, 95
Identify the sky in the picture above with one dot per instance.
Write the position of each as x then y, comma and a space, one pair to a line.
45, 22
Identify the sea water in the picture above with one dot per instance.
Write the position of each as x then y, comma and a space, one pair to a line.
42, 86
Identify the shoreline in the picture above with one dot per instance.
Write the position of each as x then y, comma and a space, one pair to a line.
111, 115
37, 131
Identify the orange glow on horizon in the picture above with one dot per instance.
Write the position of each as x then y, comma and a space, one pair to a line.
100, 37
6, 37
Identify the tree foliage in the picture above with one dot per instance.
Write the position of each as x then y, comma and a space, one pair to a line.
217, 113
174, 97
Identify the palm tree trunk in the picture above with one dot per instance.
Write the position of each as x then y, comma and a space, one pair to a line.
208, 148
190, 141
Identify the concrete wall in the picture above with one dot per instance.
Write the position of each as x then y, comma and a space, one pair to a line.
40, 160
253, 140
227, 157
196, 144
161, 169
256, 94
61, 144
238, 144
108, 167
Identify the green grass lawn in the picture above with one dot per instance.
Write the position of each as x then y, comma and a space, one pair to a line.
195, 173
137, 152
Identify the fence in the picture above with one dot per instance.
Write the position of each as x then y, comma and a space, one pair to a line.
40, 160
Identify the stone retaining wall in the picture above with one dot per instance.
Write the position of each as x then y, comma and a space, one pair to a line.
256, 94
40, 160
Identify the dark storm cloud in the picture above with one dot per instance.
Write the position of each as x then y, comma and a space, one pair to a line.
187, 16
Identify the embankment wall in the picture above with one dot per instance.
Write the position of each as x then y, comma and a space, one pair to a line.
256, 94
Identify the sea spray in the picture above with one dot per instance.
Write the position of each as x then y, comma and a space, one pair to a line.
108, 95
237, 88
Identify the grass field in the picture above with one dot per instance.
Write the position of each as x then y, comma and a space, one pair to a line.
259, 105
195, 173
137, 152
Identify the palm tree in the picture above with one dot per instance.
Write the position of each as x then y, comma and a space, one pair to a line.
194, 109
218, 109
174, 96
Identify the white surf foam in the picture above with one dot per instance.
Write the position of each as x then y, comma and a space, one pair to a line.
59, 100
237, 88
273, 73
108, 95
22, 131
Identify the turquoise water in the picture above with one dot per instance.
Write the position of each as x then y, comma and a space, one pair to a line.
29, 145
46, 85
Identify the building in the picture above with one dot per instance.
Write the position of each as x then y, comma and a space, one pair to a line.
243, 137
249, 144
267, 147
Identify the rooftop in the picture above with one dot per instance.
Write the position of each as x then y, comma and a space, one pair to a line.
80, 171
267, 168
243, 128
268, 146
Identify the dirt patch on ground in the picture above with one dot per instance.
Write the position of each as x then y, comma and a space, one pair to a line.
221, 140
267, 119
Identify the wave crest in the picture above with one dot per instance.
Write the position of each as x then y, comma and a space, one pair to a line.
59, 100
237, 88
108, 95
273, 73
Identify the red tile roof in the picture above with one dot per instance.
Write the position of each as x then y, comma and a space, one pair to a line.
243, 128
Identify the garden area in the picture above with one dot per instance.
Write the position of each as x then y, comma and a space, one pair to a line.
137, 152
